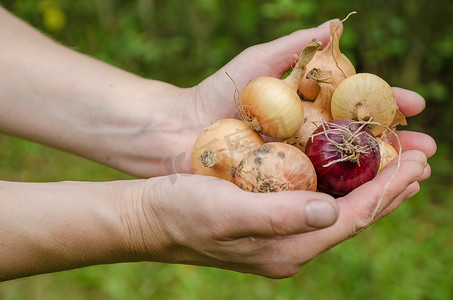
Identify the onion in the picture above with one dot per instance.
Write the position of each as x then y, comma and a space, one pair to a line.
345, 155
274, 167
388, 153
328, 59
271, 105
220, 148
317, 111
367, 97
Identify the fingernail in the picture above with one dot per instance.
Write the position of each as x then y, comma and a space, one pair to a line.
411, 194
422, 170
320, 214
326, 24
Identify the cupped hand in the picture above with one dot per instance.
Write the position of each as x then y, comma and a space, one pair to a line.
211, 222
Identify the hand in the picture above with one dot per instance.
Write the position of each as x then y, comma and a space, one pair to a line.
211, 222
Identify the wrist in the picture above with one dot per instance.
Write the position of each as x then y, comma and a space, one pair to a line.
137, 136
144, 235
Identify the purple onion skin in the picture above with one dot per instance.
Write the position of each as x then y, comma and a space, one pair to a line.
342, 177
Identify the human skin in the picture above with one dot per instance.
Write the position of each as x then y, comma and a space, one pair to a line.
53, 95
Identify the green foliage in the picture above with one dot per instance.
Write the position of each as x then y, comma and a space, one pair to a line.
408, 43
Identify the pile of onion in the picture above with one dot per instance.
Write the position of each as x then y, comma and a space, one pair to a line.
327, 69
350, 145
331, 122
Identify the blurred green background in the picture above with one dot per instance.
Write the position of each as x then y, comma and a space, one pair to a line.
409, 43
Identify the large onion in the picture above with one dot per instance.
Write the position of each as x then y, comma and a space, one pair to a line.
272, 106
220, 148
274, 167
367, 97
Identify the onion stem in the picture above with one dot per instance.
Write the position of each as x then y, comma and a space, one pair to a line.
294, 78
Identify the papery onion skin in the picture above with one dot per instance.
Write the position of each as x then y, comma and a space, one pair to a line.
275, 167
388, 153
221, 146
330, 59
342, 177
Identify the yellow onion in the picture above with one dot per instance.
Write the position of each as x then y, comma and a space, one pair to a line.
388, 153
272, 106
367, 97
315, 112
220, 148
330, 59
275, 167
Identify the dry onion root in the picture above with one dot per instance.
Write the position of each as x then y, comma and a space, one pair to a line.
328, 59
220, 148
272, 106
275, 167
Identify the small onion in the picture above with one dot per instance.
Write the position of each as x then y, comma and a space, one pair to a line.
366, 97
388, 153
274, 167
220, 148
329, 59
271, 105
315, 112
345, 155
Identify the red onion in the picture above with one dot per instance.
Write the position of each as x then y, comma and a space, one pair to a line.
345, 155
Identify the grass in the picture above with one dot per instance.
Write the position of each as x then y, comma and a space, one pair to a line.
407, 255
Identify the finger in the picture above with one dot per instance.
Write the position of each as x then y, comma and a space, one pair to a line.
417, 156
410, 103
410, 191
281, 53
283, 213
356, 208
273, 58
411, 140
296, 41
368, 200
426, 173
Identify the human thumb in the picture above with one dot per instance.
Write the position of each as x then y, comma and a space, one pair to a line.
286, 213
327, 23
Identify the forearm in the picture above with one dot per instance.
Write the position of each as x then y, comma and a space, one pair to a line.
53, 95
48, 227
